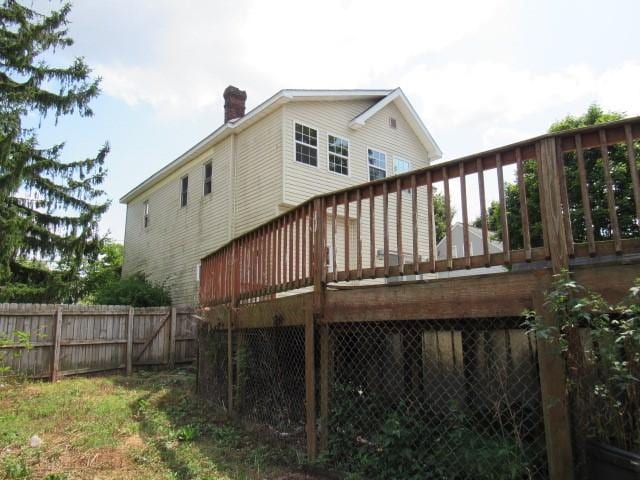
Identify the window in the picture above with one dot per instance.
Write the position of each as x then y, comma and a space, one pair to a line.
400, 165
145, 217
377, 164
208, 173
338, 155
306, 145
392, 122
184, 189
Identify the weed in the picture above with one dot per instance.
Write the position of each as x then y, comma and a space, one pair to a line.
15, 468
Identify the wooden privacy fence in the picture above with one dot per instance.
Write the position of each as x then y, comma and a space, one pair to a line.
74, 339
577, 198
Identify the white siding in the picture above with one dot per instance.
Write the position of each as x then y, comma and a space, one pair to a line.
170, 248
258, 173
333, 118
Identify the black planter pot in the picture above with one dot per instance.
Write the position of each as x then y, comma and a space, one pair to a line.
610, 463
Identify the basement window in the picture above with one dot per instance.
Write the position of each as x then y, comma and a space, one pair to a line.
184, 190
377, 164
338, 155
208, 174
145, 215
306, 139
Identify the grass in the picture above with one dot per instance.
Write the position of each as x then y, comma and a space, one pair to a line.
149, 425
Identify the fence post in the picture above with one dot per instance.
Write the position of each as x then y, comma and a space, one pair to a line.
172, 338
557, 422
129, 351
57, 333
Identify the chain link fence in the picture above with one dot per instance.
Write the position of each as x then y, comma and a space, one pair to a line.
457, 399
447, 399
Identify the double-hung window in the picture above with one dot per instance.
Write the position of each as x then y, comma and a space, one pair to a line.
306, 139
377, 164
338, 155
208, 174
184, 190
145, 215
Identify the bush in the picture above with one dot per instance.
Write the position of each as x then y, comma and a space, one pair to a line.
135, 290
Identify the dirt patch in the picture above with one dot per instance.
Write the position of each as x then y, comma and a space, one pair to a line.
134, 441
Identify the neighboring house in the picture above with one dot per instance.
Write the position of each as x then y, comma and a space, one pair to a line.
296, 144
475, 248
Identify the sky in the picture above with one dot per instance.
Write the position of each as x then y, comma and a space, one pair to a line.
480, 73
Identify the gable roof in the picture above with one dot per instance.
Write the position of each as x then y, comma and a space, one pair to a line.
398, 97
473, 231
286, 96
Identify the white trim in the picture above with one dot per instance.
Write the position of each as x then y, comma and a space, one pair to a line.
317, 147
412, 117
271, 104
145, 214
348, 175
386, 164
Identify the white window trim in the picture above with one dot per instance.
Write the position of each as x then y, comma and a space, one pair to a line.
329, 134
386, 159
204, 177
293, 131
180, 191
145, 214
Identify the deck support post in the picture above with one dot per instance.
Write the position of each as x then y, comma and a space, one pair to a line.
314, 319
231, 321
551, 362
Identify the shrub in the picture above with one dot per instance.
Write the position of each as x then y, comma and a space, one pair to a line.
135, 290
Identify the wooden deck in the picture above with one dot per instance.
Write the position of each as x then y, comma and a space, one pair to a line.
314, 246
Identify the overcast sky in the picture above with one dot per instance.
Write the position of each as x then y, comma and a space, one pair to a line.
481, 73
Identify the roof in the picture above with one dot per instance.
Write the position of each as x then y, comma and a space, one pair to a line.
474, 231
383, 97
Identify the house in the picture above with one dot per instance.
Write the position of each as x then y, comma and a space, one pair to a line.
475, 248
296, 144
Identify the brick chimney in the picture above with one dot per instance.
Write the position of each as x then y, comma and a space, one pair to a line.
234, 100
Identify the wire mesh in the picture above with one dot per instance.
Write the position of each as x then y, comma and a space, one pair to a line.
212, 364
269, 383
427, 399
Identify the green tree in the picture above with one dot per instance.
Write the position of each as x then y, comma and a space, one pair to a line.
596, 187
49, 209
105, 270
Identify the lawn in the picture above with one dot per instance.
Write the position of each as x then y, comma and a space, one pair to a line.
150, 425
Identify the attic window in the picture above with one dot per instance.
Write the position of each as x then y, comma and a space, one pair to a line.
306, 139
392, 122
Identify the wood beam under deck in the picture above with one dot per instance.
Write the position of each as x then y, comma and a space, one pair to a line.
496, 295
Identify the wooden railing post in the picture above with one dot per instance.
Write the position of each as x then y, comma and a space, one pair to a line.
57, 333
129, 350
231, 319
551, 363
313, 318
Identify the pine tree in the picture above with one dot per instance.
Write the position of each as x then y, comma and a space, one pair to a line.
49, 209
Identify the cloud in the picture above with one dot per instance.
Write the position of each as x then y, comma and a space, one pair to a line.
498, 94
191, 52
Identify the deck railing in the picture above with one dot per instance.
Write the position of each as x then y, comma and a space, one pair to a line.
585, 180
